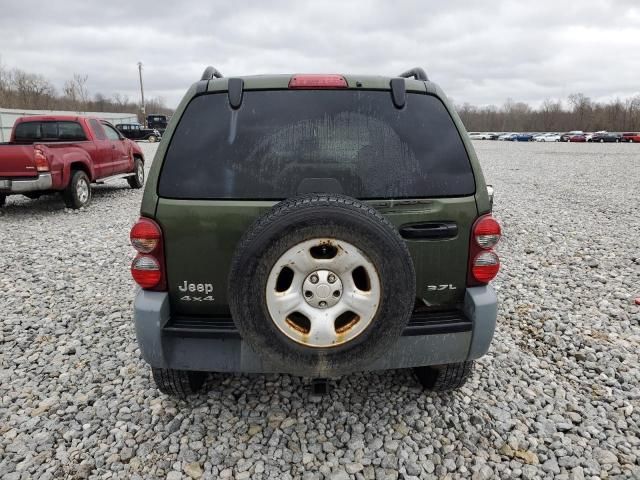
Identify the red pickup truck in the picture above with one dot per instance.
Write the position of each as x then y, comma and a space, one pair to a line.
66, 154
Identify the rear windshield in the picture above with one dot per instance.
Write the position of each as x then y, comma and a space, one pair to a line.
49, 131
280, 143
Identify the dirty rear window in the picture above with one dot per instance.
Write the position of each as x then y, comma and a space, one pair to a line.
281, 143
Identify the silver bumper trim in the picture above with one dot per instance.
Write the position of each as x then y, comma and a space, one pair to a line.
12, 185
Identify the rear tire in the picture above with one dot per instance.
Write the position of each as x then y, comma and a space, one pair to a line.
78, 192
441, 378
178, 383
137, 180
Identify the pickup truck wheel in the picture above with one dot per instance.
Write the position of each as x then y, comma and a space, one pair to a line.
78, 192
152, 139
137, 180
440, 378
178, 383
321, 285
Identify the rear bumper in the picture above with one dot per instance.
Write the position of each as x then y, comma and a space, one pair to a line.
439, 339
19, 185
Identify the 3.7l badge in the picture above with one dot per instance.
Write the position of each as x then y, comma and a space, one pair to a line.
438, 288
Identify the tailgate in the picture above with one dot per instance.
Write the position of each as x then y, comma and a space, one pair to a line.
200, 237
17, 161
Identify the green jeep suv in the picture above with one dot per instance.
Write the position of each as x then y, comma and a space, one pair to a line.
315, 225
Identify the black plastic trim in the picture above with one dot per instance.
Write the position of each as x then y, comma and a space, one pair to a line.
429, 230
434, 323
398, 92
420, 323
235, 88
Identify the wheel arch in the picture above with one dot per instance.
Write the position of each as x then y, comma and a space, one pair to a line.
78, 164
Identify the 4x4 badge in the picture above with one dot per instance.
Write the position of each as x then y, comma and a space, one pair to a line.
191, 298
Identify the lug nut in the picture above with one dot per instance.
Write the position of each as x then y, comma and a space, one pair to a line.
331, 278
323, 304
314, 278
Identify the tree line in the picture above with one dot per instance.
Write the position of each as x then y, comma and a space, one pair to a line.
20, 89
578, 113
32, 91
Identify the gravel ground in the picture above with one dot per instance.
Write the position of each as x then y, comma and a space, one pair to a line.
557, 395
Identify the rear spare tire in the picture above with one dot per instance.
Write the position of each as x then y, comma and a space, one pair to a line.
321, 285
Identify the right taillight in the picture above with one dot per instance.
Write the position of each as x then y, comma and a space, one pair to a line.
484, 264
147, 269
40, 159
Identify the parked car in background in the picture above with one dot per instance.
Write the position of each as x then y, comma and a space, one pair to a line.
603, 137
565, 136
493, 135
630, 137
578, 137
65, 154
548, 137
135, 131
157, 121
523, 137
478, 136
507, 137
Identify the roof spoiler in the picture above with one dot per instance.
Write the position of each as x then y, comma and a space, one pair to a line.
417, 73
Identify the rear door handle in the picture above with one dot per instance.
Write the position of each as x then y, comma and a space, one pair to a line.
429, 230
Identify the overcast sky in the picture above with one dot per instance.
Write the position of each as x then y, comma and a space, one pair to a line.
479, 52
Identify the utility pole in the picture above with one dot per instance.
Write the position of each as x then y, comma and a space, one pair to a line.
144, 113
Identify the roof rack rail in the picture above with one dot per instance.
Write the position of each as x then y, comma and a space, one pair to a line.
417, 73
209, 73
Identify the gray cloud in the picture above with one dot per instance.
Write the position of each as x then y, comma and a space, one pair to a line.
479, 52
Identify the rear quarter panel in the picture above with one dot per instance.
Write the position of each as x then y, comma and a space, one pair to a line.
63, 155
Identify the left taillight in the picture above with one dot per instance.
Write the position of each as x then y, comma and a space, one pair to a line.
148, 269
484, 264
40, 159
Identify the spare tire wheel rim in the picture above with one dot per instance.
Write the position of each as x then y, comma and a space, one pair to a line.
323, 292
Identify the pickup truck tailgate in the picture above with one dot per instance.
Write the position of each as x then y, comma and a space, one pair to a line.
17, 161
